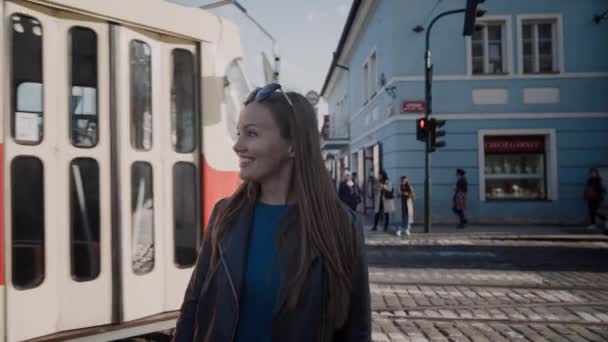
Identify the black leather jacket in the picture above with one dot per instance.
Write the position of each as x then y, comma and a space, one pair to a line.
211, 314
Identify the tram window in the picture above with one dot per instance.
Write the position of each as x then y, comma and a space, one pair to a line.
83, 99
27, 197
236, 89
141, 95
186, 210
26, 81
84, 219
142, 214
183, 123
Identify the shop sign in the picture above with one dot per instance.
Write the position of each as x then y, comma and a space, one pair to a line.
515, 144
413, 106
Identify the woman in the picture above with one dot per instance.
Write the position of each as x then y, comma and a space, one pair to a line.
594, 195
349, 191
282, 258
407, 195
459, 201
384, 202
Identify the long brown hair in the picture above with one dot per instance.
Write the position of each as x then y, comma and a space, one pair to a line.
325, 226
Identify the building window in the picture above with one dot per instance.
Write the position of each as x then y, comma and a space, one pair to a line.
373, 71
141, 95
84, 219
488, 49
540, 46
515, 167
83, 99
365, 82
27, 89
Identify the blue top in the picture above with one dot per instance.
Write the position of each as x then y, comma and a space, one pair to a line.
262, 276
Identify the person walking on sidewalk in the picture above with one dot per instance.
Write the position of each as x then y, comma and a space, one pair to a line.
459, 201
594, 195
407, 195
349, 191
384, 202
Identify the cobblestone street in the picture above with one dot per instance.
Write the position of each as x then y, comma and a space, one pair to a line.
473, 289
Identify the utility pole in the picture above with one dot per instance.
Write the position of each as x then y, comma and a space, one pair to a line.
471, 13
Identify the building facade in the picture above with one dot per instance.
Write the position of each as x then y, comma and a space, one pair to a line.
525, 101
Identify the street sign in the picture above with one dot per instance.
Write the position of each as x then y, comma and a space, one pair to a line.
312, 97
413, 106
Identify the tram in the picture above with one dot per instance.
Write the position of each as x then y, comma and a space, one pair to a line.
115, 143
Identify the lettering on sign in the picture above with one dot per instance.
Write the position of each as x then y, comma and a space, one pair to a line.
413, 107
514, 144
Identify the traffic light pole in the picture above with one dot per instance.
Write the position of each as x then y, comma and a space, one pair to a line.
428, 76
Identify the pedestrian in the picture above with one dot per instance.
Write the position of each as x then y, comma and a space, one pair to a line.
282, 258
384, 202
356, 180
407, 195
459, 201
594, 195
349, 191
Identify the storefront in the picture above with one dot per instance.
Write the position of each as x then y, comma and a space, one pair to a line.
519, 166
367, 163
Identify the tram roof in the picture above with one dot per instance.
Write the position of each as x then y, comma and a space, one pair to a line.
156, 15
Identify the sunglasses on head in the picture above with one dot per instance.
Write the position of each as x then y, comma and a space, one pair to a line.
261, 94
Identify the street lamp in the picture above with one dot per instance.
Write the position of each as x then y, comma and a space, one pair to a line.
275, 46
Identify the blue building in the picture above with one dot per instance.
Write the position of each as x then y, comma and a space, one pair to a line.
525, 99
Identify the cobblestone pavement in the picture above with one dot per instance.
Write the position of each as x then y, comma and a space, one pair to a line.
470, 290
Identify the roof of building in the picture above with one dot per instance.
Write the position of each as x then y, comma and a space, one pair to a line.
345, 32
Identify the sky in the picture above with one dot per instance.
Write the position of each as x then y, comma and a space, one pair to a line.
307, 32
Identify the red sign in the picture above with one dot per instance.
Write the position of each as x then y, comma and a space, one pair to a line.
413, 106
514, 144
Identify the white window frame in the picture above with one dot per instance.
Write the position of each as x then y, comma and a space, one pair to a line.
558, 44
365, 81
550, 155
507, 37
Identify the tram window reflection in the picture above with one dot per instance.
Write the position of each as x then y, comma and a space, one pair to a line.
142, 214
84, 219
141, 95
83, 98
186, 209
183, 120
26, 80
27, 210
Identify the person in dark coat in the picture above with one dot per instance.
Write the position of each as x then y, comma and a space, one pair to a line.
349, 191
594, 195
459, 201
282, 259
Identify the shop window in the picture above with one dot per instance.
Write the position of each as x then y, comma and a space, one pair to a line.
83, 98
515, 167
141, 95
26, 78
183, 118
27, 210
186, 209
142, 214
84, 219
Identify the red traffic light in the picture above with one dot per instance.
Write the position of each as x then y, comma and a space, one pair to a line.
422, 123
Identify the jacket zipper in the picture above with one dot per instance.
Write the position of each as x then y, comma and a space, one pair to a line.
322, 309
236, 298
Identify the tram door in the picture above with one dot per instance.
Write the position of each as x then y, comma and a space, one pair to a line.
158, 168
56, 172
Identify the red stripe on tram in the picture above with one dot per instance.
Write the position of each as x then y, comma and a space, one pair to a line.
216, 185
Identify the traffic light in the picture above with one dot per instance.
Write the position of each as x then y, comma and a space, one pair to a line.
421, 129
471, 13
434, 127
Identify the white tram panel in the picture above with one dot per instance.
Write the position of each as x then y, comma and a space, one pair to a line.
95, 288
39, 303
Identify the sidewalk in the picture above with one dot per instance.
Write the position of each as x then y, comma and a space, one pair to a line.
495, 232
